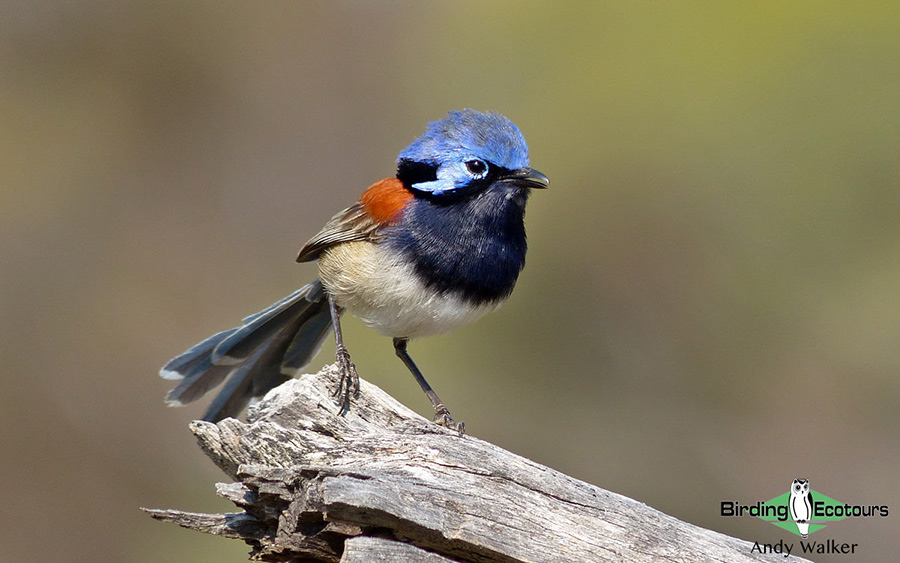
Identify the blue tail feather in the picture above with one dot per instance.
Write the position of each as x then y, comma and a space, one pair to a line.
256, 357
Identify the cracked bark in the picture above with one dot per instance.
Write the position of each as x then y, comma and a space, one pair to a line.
381, 483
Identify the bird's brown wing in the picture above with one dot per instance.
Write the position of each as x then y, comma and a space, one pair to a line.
351, 224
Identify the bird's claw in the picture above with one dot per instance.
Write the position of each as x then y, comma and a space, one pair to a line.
348, 387
443, 418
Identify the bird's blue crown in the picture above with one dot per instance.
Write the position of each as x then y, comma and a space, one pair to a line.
450, 150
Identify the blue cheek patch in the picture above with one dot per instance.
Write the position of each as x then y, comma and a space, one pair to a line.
450, 177
438, 187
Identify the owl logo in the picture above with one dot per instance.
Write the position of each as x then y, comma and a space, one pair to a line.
800, 504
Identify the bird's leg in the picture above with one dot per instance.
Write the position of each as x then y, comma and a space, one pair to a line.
441, 413
349, 385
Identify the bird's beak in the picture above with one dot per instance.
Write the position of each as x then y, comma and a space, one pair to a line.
528, 177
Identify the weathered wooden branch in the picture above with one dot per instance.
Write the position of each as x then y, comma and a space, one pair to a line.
381, 483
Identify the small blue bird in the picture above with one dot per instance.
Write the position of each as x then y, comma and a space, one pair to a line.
422, 253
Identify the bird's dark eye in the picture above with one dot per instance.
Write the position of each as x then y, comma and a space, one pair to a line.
476, 167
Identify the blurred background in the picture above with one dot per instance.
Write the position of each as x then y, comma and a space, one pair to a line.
711, 305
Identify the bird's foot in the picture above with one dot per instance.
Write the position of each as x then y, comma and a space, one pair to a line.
443, 418
349, 385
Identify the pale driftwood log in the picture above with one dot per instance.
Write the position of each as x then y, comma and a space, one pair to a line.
381, 483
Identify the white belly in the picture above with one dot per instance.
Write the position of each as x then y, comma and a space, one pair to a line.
386, 295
